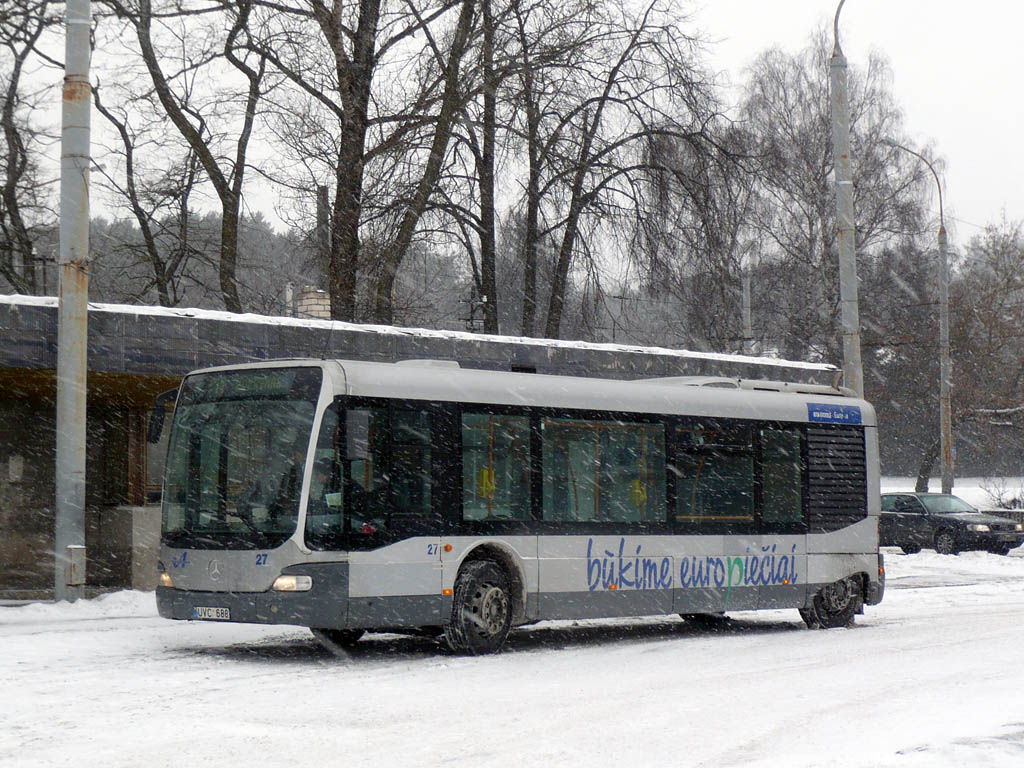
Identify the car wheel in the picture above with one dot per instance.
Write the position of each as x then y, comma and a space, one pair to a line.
910, 549
834, 605
945, 543
481, 609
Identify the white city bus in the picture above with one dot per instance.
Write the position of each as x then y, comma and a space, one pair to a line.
351, 496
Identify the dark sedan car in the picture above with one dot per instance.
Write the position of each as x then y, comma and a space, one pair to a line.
912, 521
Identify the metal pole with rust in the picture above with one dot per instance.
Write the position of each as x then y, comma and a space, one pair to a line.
72, 328
853, 372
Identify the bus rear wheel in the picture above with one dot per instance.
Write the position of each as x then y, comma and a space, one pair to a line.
337, 641
481, 609
834, 605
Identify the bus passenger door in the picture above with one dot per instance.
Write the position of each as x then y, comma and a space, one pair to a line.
394, 530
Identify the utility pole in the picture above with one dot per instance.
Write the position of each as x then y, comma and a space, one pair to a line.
72, 319
748, 325
853, 372
945, 362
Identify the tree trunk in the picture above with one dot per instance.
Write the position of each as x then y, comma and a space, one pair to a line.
396, 250
532, 207
924, 469
228, 193
488, 278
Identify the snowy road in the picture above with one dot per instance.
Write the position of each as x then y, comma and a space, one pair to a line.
934, 676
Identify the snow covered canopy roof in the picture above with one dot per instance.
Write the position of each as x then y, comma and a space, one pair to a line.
162, 340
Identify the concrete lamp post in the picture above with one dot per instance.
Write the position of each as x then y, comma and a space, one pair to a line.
945, 363
853, 371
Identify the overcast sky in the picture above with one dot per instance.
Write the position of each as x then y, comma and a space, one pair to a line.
958, 73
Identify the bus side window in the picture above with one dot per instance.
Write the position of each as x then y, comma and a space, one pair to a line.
611, 471
495, 467
783, 489
410, 462
389, 473
714, 472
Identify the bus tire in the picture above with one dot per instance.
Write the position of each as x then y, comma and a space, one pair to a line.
481, 609
337, 641
834, 605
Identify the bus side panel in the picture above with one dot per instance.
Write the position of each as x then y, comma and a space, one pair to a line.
825, 569
585, 577
397, 585
739, 573
857, 538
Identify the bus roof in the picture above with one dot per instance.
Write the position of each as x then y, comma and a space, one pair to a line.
445, 381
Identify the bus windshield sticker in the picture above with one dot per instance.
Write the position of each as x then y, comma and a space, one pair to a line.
829, 413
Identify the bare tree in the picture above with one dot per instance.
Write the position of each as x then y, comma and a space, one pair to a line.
172, 70
786, 109
159, 202
449, 62
23, 207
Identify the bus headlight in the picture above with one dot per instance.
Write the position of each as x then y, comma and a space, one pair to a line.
165, 580
293, 584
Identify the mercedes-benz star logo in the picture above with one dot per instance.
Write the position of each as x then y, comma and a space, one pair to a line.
214, 570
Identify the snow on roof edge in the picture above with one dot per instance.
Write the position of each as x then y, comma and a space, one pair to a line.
211, 314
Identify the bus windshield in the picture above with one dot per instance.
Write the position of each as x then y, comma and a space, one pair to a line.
236, 457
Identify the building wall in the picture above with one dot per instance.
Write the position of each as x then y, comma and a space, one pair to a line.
115, 478
27, 494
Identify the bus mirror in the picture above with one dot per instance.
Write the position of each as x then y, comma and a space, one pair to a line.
155, 427
357, 435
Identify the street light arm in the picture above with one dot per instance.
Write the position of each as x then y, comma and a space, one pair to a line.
926, 161
835, 29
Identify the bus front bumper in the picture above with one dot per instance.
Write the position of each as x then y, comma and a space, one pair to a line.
324, 605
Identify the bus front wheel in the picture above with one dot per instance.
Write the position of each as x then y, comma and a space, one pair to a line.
481, 609
834, 605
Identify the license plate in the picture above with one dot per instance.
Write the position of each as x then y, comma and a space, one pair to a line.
216, 614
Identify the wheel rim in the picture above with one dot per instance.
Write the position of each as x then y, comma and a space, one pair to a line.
944, 543
489, 610
836, 597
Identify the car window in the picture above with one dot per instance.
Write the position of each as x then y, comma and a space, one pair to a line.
888, 503
908, 504
939, 504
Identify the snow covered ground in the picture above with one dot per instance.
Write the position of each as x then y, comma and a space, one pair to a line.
934, 676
